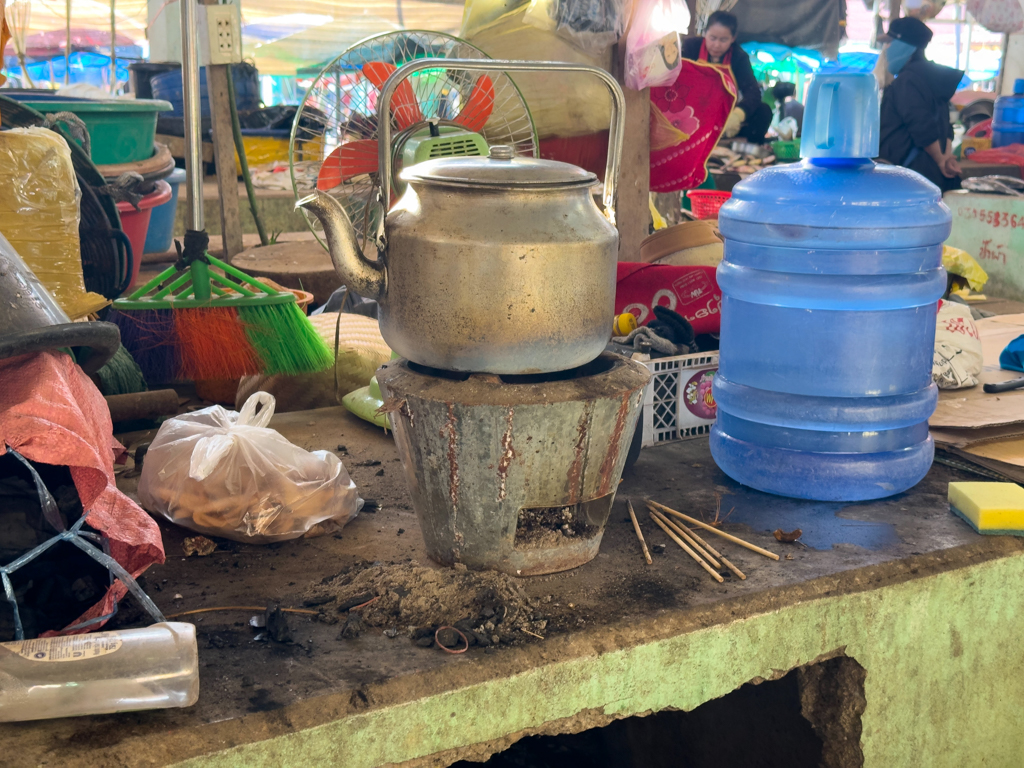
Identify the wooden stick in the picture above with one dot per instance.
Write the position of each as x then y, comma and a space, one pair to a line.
686, 549
689, 540
639, 533
713, 551
705, 526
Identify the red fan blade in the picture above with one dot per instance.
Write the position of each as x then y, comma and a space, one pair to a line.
404, 105
351, 159
477, 112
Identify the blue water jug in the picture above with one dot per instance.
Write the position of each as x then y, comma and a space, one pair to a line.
1008, 117
830, 283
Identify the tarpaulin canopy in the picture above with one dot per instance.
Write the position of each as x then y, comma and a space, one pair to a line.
44, 44
811, 24
279, 36
86, 67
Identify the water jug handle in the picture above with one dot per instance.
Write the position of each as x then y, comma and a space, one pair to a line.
828, 101
384, 160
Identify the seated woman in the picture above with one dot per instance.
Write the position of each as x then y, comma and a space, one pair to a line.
751, 117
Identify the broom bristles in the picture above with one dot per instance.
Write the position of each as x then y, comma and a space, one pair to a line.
214, 345
222, 342
150, 338
285, 339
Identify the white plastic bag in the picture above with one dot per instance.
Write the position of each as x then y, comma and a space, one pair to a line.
957, 361
224, 473
593, 26
653, 44
1005, 16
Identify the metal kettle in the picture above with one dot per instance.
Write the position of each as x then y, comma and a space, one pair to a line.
500, 265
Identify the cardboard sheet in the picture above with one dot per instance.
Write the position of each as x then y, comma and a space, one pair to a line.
981, 429
973, 408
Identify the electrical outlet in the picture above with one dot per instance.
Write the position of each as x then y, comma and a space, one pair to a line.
224, 29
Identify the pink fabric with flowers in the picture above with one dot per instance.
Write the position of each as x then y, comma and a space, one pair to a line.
687, 120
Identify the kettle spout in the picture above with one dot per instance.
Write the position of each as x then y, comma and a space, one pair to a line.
365, 277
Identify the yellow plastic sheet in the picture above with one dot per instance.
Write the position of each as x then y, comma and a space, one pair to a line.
39, 214
961, 263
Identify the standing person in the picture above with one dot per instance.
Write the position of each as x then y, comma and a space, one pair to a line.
784, 94
915, 128
751, 117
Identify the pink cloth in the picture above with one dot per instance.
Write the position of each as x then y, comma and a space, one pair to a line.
51, 413
687, 120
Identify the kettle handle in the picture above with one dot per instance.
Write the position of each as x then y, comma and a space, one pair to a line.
384, 163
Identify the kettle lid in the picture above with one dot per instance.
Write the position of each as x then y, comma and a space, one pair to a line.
501, 169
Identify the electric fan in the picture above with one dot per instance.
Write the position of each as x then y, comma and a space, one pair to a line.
434, 113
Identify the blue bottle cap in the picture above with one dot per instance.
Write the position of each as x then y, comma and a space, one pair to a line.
1018, 86
841, 117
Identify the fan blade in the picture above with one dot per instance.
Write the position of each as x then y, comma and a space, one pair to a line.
404, 105
351, 159
477, 112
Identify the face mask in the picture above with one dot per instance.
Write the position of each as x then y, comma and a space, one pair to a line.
898, 54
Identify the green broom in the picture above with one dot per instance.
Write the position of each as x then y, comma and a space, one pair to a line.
192, 323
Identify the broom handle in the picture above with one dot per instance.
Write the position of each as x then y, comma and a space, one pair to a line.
193, 121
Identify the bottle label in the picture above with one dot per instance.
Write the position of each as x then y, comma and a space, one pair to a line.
72, 648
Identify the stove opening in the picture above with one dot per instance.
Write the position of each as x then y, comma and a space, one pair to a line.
562, 525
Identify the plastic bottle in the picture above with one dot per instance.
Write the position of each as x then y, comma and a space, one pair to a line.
830, 283
152, 668
39, 214
1008, 117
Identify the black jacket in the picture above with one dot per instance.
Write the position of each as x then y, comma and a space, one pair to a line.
749, 91
915, 112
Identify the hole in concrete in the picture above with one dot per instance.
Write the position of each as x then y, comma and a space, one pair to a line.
548, 527
810, 717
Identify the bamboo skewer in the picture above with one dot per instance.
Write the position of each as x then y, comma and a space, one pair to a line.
685, 536
705, 526
714, 552
639, 533
686, 549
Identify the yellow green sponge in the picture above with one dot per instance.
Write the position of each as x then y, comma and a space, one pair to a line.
992, 508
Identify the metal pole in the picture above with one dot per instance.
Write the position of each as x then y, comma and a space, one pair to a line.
193, 123
956, 32
67, 45
1002, 64
876, 17
967, 54
113, 49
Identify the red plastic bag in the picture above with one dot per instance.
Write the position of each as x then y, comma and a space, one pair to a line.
51, 413
1011, 154
693, 292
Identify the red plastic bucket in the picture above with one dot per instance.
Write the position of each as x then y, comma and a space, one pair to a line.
135, 223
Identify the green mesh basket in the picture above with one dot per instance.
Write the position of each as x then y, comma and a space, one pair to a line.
786, 151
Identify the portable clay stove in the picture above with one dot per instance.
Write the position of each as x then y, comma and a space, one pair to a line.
498, 273
514, 473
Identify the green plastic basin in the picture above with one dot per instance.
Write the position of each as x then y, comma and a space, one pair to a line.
121, 130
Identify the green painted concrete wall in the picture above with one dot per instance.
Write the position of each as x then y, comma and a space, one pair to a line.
944, 684
991, 229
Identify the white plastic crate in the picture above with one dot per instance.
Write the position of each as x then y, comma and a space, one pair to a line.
678, 402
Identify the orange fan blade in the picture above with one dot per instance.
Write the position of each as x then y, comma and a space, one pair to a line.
477, 112
404, 105
351, 159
